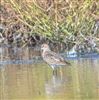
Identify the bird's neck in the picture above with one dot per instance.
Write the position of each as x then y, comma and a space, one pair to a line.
45, 51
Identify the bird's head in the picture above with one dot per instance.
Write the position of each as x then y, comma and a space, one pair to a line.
45, 47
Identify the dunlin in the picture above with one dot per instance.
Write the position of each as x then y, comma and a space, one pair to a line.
52, 58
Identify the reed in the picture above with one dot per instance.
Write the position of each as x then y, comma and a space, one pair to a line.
58, 20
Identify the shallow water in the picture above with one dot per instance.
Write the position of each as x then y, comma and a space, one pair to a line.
24, 78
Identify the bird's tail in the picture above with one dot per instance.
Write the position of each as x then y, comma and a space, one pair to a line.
68, 63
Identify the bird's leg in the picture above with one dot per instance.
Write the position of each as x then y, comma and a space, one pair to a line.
54, 70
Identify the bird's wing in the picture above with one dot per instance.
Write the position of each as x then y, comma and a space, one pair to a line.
54, 56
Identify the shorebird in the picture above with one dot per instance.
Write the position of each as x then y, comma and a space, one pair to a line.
51, 58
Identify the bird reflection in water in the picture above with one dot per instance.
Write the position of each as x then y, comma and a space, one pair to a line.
55, 84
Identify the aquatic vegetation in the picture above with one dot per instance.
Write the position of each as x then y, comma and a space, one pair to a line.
61, 22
